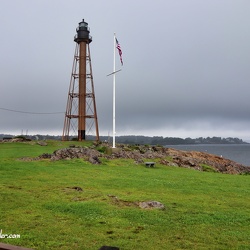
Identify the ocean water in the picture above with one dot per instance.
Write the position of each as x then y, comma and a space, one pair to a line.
236, 152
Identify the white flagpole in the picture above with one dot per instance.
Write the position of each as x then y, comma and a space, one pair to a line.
114, 95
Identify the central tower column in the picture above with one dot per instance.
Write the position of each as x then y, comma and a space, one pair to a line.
82, 92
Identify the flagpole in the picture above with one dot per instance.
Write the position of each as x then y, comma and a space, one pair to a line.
114, 95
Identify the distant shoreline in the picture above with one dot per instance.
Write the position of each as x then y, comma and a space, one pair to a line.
212, 144
143, 140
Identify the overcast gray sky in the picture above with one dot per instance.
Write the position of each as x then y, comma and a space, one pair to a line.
186, 65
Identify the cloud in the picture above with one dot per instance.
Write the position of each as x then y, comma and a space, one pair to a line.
185, 67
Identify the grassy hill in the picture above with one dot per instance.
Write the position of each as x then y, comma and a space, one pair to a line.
43, 202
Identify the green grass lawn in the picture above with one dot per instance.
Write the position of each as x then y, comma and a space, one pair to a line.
203, 210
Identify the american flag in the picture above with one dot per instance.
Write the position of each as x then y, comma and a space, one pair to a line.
119, 50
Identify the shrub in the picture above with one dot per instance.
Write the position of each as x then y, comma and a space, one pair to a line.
207, 168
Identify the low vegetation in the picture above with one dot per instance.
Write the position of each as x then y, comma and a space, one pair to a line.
73, 204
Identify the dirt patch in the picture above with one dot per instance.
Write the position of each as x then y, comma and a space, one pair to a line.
143, 204
116, 201
79, 189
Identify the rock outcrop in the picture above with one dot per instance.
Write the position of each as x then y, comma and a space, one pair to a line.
205, 162
88, 154
166, 156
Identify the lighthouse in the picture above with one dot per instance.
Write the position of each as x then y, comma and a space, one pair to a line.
81, 116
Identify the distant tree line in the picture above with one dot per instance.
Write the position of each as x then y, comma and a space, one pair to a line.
159, 140
144, 140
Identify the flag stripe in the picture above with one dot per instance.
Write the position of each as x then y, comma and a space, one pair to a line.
119, 50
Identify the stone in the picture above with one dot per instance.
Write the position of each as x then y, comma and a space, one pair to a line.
79, 189
94, 160
42, 143
45, 156
151, 205
109, 248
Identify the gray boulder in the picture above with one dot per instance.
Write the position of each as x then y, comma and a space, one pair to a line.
151, 205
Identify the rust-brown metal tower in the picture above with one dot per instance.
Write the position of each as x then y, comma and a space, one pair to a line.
81, 116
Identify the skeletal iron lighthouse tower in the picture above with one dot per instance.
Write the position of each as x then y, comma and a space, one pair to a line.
81, 116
